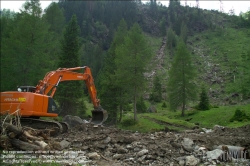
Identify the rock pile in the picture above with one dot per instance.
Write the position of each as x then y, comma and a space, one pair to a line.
106, 145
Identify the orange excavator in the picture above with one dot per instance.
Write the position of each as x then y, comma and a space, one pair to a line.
34, 102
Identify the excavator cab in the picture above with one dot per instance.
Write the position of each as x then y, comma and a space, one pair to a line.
26, 89
99, 116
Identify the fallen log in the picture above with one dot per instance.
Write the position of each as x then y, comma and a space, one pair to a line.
24, 145
42, 144
12, 128
27, 134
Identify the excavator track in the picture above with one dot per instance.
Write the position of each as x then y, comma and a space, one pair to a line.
65, 127
56, 127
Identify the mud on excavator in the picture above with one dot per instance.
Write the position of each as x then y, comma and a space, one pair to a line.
35, 102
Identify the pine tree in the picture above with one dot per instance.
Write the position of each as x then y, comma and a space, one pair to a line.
25, 48
141, 106
163, 26
131, 63
112, 95
181, 87
69, 93
55, 18
156, 95
171, 40
204, 100
184, 32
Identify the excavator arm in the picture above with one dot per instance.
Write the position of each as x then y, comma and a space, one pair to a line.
48, 86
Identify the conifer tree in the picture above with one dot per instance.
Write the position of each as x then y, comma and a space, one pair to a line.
181, 87
25, 47
134, 55
184, 32
163, 26
69, 93
156, 95
171, 40
112, 95
204, 100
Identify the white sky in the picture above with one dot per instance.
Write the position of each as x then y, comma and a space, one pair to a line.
238, 6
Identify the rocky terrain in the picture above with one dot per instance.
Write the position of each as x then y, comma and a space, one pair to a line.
88, 144
111, 146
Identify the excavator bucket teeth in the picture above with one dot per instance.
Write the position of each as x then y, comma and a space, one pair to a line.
99, 116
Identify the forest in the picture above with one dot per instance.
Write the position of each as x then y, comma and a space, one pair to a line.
206, 54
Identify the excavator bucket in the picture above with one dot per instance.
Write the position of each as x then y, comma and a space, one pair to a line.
99, 116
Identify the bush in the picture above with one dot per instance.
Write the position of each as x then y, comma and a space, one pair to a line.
128, 122
204, 100
127, 107
239, 115
192, 112
164, 105
141, 106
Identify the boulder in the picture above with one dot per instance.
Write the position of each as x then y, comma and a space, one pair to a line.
192, 161
72, 120
214, 154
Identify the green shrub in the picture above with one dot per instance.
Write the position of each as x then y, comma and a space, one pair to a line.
128, 122
192, 112
239, 115
141, 106
204, 100
164, 105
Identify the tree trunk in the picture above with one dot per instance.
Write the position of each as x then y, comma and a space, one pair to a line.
13, 128
24, 145
135, 112
120, 119
183, 110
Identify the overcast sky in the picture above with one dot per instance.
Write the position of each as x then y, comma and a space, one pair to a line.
238, 6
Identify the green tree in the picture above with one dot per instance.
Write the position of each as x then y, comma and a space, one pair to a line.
156, 94
184, 32
163, 26
55, 18
7, 24
134, 55
204, 100
171, 40
141, 106
25, 48
112, 95
181, 87
69, 93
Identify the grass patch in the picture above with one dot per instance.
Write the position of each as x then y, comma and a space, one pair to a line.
218, 116
142, 125
174, 122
